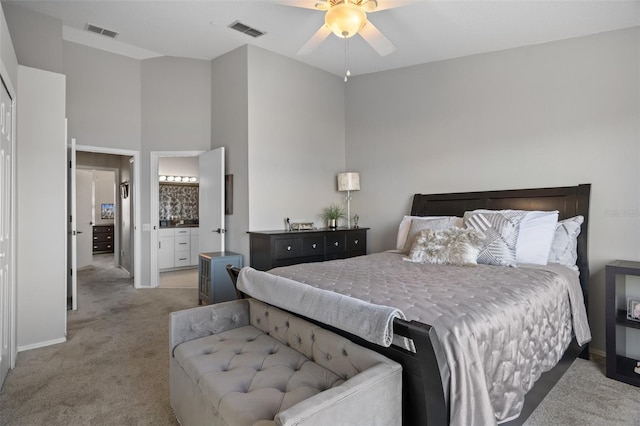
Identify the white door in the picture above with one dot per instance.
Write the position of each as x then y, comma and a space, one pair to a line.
84, 208
72, 267
211, 208
6, 296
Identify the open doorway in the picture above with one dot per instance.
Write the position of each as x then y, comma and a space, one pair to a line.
106, 211
178, 195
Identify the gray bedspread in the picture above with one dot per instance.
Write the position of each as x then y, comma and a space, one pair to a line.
500, 328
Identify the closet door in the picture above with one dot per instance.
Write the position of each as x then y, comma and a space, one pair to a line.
6, 296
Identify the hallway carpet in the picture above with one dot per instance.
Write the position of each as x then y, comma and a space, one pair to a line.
114, 367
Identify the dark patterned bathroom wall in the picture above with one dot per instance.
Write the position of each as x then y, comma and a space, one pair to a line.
178, 200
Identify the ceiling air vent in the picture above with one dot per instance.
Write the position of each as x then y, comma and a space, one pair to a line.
245, 29
99, 30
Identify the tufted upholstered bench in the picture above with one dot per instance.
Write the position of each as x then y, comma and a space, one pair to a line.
248, 363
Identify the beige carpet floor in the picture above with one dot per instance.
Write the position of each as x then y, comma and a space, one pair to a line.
184, 278
113, 369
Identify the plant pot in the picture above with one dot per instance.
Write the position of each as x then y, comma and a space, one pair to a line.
332, 223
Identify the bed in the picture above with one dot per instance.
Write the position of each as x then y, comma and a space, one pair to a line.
443, 347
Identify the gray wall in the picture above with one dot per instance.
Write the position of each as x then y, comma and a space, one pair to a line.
103, 98
555, 114
296, 140
37, 38
229, 128
176, 116
7, 53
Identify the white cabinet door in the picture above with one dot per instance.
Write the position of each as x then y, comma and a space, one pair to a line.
194, 249
166, 252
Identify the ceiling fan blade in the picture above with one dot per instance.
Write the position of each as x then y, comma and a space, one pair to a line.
391, 4
374, 37
315, 40
306, 4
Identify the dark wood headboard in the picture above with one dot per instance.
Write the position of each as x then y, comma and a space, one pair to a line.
569, 201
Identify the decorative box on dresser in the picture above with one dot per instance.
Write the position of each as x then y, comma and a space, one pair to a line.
270, 249
622, 323
103, 238
214, 282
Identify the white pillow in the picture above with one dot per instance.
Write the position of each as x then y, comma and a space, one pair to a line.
405, 225
535, 237
432, 222
564, 249
501, 234
535, 234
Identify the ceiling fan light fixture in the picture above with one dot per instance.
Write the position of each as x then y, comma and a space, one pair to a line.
345, 19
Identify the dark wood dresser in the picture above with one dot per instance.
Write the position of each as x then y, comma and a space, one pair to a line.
270, 249
103, 238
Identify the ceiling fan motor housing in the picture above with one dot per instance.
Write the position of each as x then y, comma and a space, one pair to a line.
345, 19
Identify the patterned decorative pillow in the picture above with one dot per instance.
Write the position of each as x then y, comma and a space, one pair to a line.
451, 246
564, 249
501, 235
417, 225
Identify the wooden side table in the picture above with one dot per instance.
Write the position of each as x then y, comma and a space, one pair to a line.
623, 321
214, 282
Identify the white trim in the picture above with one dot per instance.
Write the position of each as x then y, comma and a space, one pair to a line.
13, 300
154, 206
42, 344
136, 205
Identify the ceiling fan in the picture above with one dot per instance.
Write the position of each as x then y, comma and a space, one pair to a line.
346, 18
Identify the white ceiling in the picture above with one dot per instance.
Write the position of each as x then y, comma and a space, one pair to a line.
422, 30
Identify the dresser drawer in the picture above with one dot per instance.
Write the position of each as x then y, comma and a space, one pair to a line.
183, 243
102, 237
182, 259
336, 242
99, 229
288, 248
103, 246
312, 246
357, 241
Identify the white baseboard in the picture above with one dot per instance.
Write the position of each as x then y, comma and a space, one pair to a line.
42, 344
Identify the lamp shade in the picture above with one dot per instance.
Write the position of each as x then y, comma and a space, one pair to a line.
349, 181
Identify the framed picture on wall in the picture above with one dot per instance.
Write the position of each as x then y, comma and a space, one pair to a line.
228, 194
107, 211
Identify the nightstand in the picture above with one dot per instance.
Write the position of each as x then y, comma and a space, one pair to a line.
214, 282
622, 323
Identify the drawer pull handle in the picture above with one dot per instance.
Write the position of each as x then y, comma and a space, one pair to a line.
182, 258
184, 244
356, 242
288, 248
336, 243
314, 245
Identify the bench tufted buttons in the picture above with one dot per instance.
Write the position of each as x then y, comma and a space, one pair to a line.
344, 352
329, 356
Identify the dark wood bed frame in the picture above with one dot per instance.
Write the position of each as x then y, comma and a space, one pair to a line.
424, 402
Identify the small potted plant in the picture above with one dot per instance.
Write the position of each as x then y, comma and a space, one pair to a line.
332, 213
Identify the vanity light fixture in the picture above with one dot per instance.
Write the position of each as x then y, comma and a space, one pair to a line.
182, 179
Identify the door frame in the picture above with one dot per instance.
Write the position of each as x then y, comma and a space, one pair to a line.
13, 300
154, 206
135, 190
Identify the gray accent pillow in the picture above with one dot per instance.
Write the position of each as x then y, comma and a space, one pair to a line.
451, 246
440, 222
564, 249
501, 235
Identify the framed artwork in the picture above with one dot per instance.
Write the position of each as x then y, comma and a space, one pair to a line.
633, 310
228, 194
107, 211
